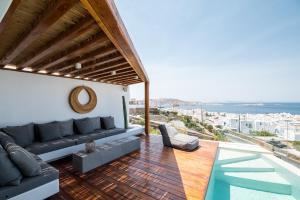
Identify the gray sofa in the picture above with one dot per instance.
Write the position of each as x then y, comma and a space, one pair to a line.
51, 141
172, 138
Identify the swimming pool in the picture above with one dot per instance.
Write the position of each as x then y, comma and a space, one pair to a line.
248, 172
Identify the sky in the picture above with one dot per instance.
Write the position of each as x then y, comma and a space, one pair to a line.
216, 50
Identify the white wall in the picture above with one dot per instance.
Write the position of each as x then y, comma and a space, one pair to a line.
26, 98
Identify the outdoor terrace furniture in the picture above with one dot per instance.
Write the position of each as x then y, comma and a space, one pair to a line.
172, 138
105, 153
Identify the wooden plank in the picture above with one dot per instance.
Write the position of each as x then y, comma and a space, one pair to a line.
147, 107
117, 77
128, 82
47, 19
98, 53
109, 69
154, 172
9, 14
118, 65
57, 43
102, 61
108, 18
108, 74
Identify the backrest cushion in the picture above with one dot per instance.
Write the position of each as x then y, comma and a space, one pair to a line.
4, 139
167, 133
49, 131
24, 160
84, 126
22, 135
108, 122
9, 173
66, 127
96, 122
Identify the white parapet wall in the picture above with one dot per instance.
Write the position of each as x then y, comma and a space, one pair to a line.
26, 98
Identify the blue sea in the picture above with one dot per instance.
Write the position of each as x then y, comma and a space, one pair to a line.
250, 108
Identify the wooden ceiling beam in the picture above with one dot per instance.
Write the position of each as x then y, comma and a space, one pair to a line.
98, 53
120, 77
126, 83
97, 40
95, 73
9, 14
106, 15
109, 74
42, 23
109, 70
79, 29
96, 63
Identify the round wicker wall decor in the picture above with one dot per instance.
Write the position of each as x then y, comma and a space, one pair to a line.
82, 108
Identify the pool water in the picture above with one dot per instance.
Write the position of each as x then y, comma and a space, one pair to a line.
249, 175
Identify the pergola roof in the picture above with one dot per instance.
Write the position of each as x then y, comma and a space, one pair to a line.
50, 36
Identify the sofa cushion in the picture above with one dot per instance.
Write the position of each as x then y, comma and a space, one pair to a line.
49, 174
4, 139
115, 131
22, 135
45, 147
84, 126
9, 173
96, 122
97, 136
66, 127
49, 131
108, 122
26, 163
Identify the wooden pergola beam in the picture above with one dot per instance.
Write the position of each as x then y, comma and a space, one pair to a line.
98, 53
41, 25
106, 15
128, 75
86, 69
120, 65
80, 28
109, 71
9, 14
147, 107
129, 82
118, 72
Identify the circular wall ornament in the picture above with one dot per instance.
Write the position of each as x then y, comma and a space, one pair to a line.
82, 108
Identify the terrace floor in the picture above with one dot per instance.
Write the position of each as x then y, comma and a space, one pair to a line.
155, 172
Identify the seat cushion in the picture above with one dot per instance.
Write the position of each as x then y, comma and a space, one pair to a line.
9, 173
185, 142
22, 135
97, 135
49, 131
28, 183
45, 147
24, 160
84, 126
4, 139
107, 123
66, 127
115, 131
167, 133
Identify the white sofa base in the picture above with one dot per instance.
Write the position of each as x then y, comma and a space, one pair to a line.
55, 155
39, 193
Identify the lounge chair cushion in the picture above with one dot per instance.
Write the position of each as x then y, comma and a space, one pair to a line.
85, 126
172, 138
28, 183
26, 163
9, 173
45, 147
22, 135
185, 142
4, 139
108, 122
49, 131
66, 127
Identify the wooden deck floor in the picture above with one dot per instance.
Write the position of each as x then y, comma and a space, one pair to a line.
155, 172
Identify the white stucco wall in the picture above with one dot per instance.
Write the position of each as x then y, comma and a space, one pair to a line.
26, 98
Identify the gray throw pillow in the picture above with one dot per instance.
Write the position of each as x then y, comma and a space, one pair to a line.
96, 123
9, 173
4, 139
22, 135
108, 122
84, 126
66, 127
49, 131
24, 160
